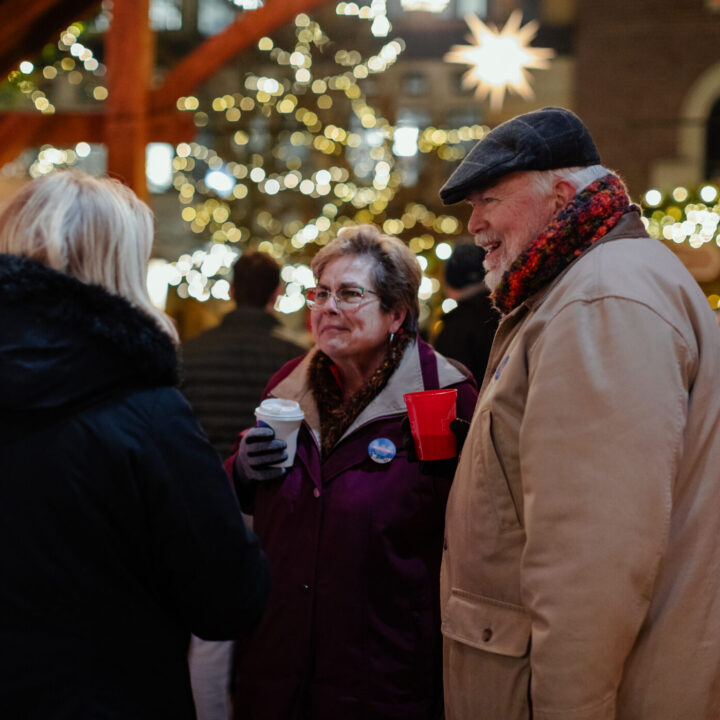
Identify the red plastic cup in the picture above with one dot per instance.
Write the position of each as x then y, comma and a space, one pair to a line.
430, 413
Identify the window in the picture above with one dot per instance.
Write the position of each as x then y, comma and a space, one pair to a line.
165, 15
457, 83
453, 9
410, 123
464, 117
414, 84
214, 16
463, 7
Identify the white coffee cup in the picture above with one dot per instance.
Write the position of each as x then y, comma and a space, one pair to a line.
284, 417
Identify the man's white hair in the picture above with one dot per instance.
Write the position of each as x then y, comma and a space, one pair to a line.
578, 177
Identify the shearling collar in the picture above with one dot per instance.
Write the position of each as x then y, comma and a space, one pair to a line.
407, 378
630, 225
60, 337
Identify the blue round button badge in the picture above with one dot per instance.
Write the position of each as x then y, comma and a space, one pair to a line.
382, 450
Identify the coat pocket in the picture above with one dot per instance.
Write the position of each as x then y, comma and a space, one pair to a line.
492, 625
503, 502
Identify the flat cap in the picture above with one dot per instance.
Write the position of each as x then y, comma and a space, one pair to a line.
545, 139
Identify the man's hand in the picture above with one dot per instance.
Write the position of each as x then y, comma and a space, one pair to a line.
258, 451
460, 429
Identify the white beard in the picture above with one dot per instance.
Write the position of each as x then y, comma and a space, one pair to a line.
498, 262
493, 277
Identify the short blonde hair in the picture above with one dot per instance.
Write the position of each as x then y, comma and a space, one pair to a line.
396, 272
96, 230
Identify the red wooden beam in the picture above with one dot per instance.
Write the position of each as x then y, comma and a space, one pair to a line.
129, 59
134, 116
27, 25
65, 129
217, 50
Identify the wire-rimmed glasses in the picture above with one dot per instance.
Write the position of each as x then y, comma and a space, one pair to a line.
345, 297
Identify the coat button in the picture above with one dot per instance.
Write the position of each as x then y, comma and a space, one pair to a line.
487, 634
306, 588
316, 492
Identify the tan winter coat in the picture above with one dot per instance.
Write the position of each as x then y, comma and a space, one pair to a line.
581, 575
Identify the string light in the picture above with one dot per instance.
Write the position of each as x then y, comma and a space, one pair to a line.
678, 219
351, 173
684, 217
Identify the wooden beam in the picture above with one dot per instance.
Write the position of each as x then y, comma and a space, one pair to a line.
65, 129
19, 131
16, 16
129, 59
217, 50
27, 25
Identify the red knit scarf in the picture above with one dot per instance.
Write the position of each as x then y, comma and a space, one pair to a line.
590, 215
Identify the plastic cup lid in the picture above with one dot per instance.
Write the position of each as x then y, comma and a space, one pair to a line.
280, 409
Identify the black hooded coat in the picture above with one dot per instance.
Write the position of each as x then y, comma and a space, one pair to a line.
119, 531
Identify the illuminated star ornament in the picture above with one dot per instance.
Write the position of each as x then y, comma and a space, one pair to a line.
500, 59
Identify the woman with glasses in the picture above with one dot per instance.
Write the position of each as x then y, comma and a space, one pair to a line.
354, 529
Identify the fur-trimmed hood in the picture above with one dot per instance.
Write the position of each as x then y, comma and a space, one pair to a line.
64, 342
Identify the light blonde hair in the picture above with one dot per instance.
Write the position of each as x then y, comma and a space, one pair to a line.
96, 230
395, 272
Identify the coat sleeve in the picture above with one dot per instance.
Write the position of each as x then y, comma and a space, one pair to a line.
208, 564
599, 447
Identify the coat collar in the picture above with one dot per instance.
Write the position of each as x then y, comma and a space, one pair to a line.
390, 401
43, 302
629, 226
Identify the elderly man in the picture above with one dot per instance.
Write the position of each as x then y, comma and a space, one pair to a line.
581, 573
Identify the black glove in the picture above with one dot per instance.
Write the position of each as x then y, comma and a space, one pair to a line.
258, 451
460, 429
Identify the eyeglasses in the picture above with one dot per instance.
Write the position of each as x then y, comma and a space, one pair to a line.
345, 297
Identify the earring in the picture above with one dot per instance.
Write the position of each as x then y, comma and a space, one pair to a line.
392, 337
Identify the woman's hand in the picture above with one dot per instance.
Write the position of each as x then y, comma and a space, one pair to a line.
257, 455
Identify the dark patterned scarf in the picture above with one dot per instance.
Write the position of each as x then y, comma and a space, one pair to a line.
590, 215
336, 414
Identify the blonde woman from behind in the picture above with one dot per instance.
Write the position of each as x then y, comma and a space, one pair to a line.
119, 532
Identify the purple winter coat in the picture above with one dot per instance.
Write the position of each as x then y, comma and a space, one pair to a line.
352, 627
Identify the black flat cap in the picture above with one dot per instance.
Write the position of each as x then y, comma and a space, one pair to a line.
545, 139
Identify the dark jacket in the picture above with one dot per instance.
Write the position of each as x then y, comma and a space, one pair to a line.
226, 369
119, 532
468, 331
352, 628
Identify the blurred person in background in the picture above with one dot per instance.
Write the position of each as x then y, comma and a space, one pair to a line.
224, 373
120, 533
580, 575
225, 369
354, 529
468, 330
